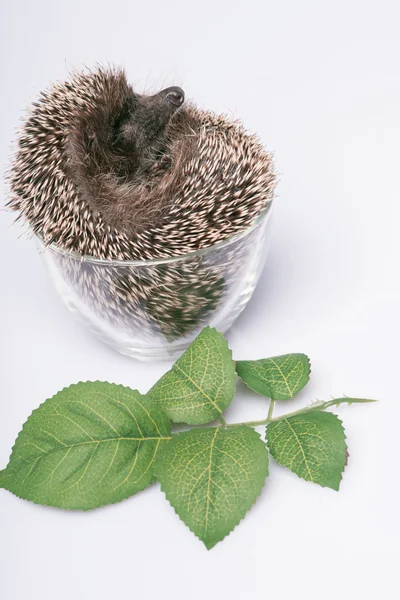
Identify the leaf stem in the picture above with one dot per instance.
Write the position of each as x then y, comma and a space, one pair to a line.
223, 422
311, 407
271, 409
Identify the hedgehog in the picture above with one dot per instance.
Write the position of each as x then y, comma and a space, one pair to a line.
104, 172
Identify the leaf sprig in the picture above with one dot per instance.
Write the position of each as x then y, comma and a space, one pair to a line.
97, 443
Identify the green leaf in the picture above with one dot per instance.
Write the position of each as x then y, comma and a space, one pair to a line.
278, 378
201, 384
312, 445
212, 477
91, 444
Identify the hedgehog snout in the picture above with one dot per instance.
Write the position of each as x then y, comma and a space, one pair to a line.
175, 95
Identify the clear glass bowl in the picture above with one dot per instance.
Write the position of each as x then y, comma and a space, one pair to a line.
155, 308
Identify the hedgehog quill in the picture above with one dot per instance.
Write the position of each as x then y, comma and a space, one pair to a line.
107, 173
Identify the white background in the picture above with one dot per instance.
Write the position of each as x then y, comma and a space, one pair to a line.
320, 83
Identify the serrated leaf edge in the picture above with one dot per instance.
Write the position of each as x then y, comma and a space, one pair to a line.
302, 478
67, 387
3, 473
238, 523
63, 508
234, 377
271, 358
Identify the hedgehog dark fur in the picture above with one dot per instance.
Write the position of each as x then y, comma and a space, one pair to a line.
79, 181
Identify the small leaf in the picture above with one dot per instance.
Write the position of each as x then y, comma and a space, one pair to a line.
312, 445
91, 444
212, 477
201, 384
278, 378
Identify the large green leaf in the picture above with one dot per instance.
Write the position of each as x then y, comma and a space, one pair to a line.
278, 378
212, 477
91, 444
312, 445
201, 384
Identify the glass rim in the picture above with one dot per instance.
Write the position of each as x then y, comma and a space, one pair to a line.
263, 216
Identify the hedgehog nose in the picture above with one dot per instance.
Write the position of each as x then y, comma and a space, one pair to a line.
175, 95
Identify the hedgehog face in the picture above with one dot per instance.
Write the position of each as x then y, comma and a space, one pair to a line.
140, 128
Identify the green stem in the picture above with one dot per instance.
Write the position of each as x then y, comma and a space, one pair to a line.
271, 409
320, 406
306, 409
